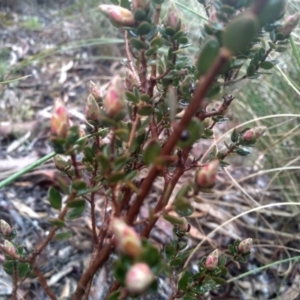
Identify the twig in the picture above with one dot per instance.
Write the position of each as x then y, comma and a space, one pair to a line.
74, 163
15, 282
196, 102
44, 284
130, 60
132, 133
93, 183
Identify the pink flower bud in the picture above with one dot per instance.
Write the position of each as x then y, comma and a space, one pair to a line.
118, 15
5, 229
126, 238
206, 176
245, 245
173, 17
138, 278
251, 135
92, 110
114, 99
130, 80
94, 90
289, 24
60, 121
212, 260
9, 247
143, 4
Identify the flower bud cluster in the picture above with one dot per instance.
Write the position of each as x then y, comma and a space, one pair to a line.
60, 121
114, 100
245, 246
289, 24
126, 238
138, 278
206, 176
118, 15
212, 260
251, 135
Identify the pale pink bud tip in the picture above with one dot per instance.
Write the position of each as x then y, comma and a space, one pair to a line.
60, 121
245, 246
9, 247
138, 278
173, 18
118, 15
114, 99
206, 176
212, 260
95, 91
290, 24
92, 110
126, 238
5, 229
251, 135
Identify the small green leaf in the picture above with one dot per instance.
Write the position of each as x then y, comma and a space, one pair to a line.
156, 42
176, 262
240, 32
243, 151
219, 280
131, 175
145, 97
189, 297
158, 1
76, 203
8, 266
54, 198
116, 177
63, 236
131, 97
266, 65
184, 281
183, 40
23, 269
234, 136
170, 251
151, 152
280, 49
146, 110
223, 270
251, 70
56, 222
140, 15
144, 28
76, 212
207, 56
121, 266
231, 249
73, 135
88, 154
103, 161
183, 206
150, 255
79, 185
122, 134
137, 44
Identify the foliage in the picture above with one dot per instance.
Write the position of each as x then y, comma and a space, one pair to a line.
151, 119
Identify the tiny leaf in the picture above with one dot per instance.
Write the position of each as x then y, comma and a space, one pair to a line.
54, 198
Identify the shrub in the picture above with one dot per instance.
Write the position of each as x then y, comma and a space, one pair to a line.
151, 119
